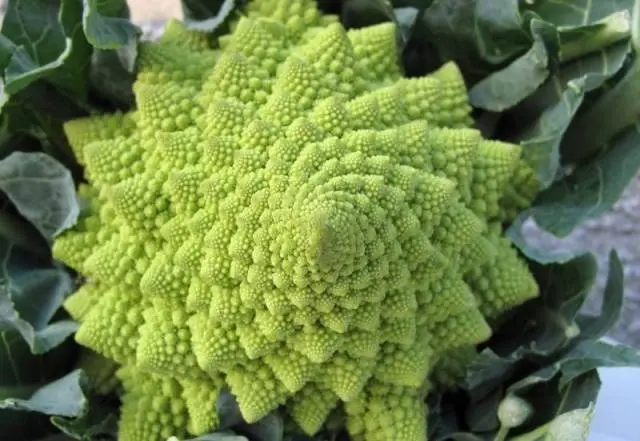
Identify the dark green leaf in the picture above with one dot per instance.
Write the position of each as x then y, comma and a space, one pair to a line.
552, 108
23, 234
361, 13
482, 413
23, 426
100, 422
112, 78
228, 410
23, 373
591, 190
31, 294
553, 401
606, 115
592, 354
486, 372
596, 327
540, 254
57, 437
37, 113
547, 324
220, 436
574, 424
578, 40
461, 437
269, 428
577, 12
405, 19
208, 15
42, 38
443, 417
480, 35
63, 397
507, 87
104, 25
27, 387
589, 53
42, 190
200, 10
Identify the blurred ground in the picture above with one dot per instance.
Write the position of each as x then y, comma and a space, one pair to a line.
144, 10
619, 229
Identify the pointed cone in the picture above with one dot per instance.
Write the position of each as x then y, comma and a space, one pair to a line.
83, 131
311, 406
111, 328
257, 390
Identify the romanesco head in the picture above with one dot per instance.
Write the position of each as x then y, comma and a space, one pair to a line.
290, 218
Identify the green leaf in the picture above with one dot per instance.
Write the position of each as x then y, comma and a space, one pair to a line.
461, 437
106, 24
592, 354
15, 228
553, 401
233, 428
361, 13
607, 115
547, 115
57, 437
21, 374
99, 422
596, 327
228, 410
479, 35
579, 40
69, 408
577, 12
218, 436
42, 190
481, 414
63, 397
24, 372
208, 15
543, 80
443, 418
113, 62
113, 74
572, 425
507, 87
405, 20
541, 141
591, 189
31, 295
41, 38
547, 324
200, 10
269, 428
486, 372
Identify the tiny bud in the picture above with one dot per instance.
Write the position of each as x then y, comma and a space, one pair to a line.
513, 411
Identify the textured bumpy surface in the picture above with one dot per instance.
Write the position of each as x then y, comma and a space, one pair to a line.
289, 218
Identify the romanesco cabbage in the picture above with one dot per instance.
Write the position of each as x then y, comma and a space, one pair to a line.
288, 217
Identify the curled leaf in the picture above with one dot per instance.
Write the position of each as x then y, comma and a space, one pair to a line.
41, 189
63, 397
571, 426
30, 295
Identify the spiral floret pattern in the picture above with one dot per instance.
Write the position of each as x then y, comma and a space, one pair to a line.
279, 219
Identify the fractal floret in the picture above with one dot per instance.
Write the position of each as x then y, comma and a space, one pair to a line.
287, 217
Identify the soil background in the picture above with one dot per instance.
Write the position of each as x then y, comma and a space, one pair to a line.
619, 229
